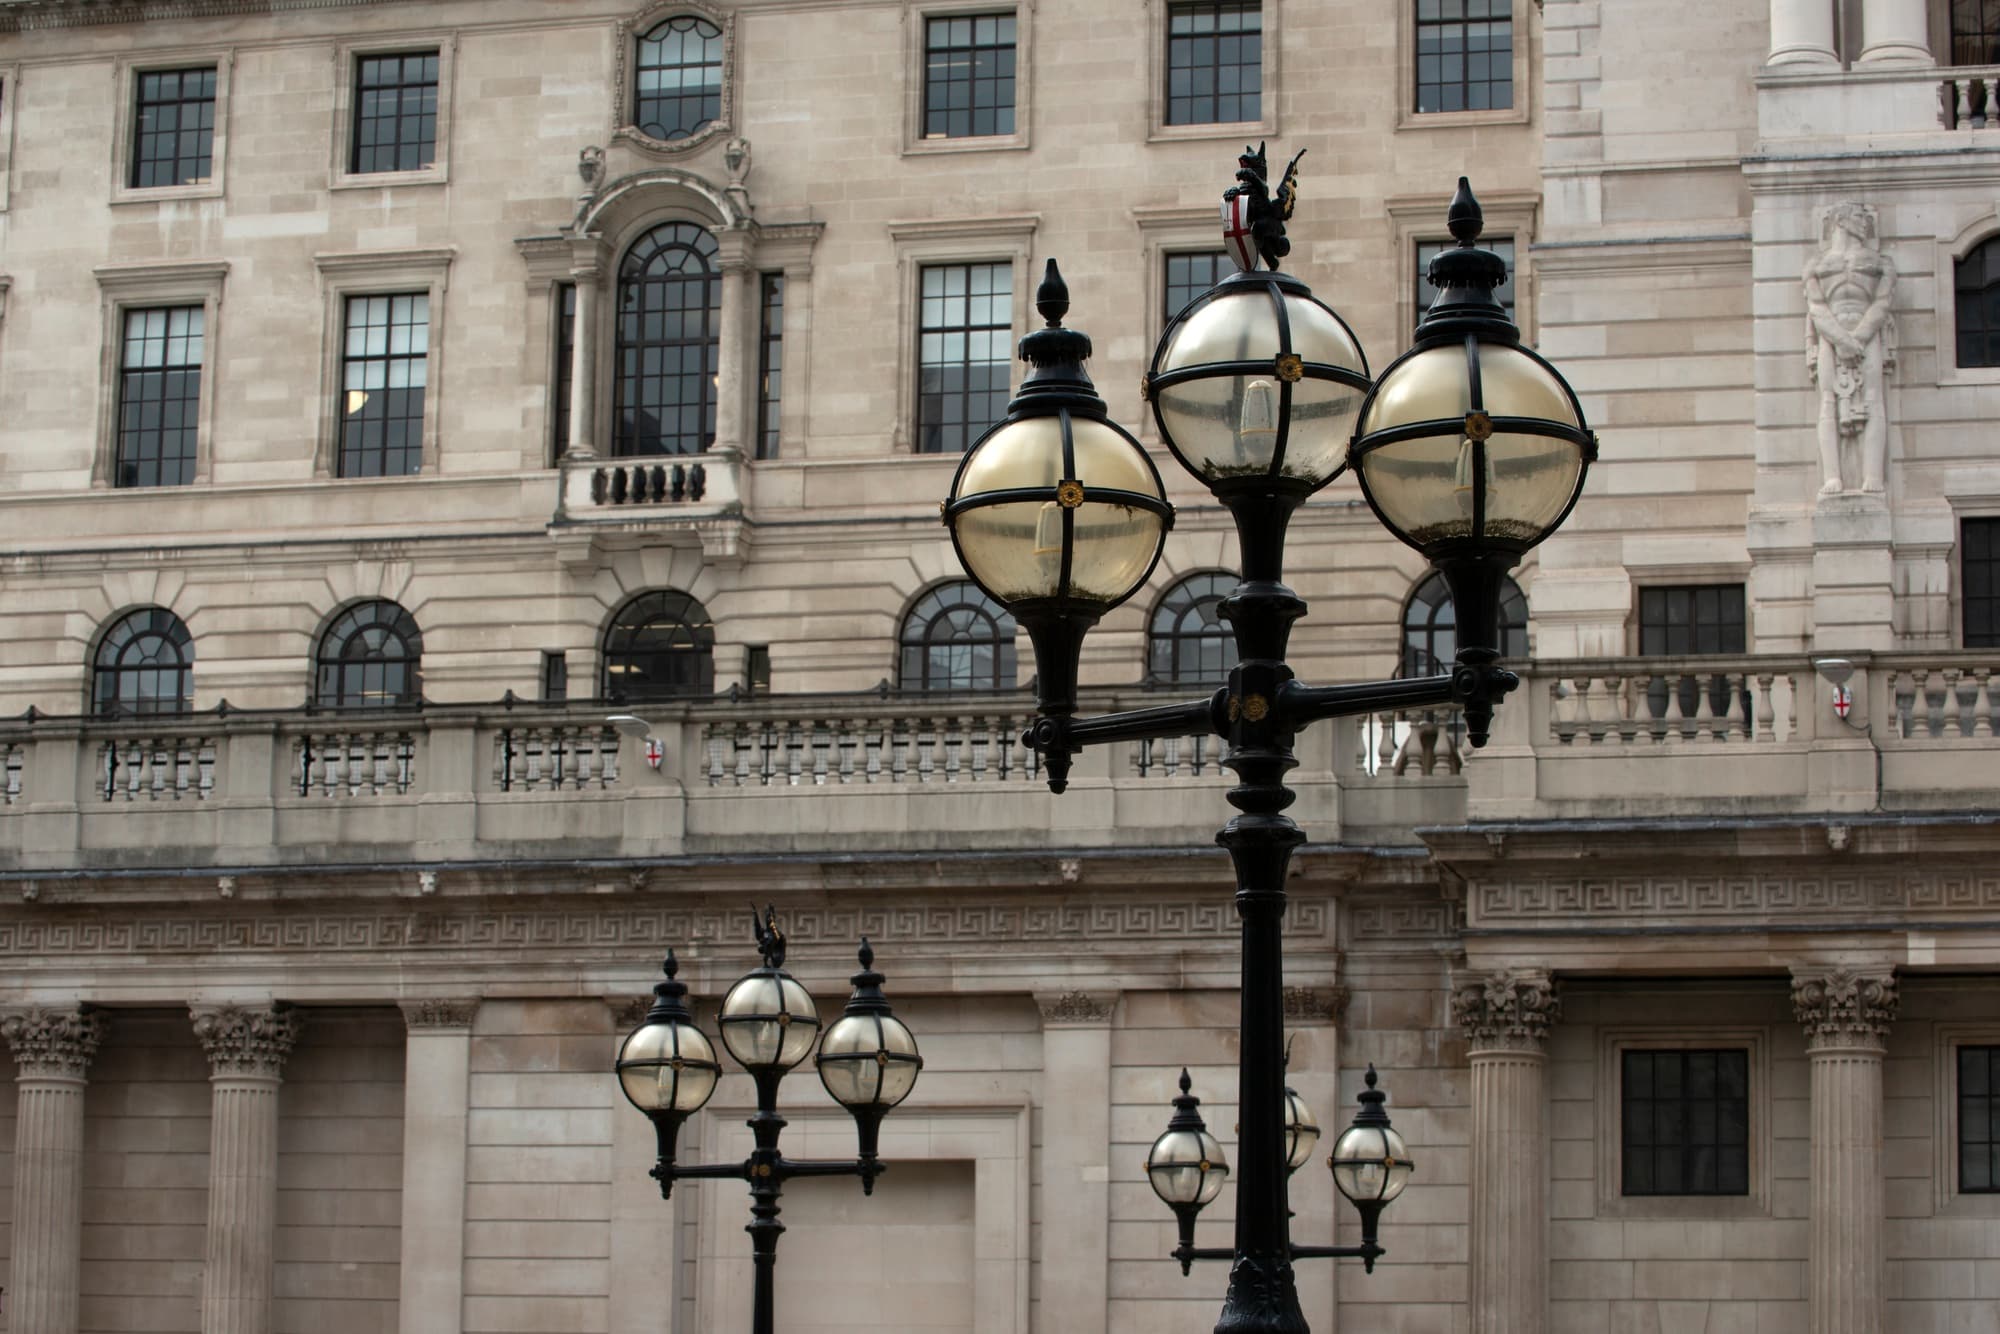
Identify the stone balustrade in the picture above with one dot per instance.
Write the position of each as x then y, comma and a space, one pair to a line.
1969, 98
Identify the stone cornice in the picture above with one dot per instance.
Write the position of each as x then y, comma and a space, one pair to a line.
1505, 1011
1840, 1007
53, 1044
245, 1042
441, 1012
28, 14
1077, 1009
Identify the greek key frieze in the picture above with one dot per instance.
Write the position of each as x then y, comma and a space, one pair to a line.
1735, 895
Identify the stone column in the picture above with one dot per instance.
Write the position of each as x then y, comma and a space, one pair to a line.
1895, 32
1846, 1015
1802, 33
52, 1051
1506, 1018
1076, 1160
437, 1066
732, 388
246, 1055
583, 365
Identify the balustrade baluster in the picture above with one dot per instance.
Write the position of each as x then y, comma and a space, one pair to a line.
1733, 711
1704, 709
1617, 709
1385, 745
950, 742
1950, 724
1588, 725
1675, 715
1765, 712
902, 745
1561, 729
1982, 703
1920, 704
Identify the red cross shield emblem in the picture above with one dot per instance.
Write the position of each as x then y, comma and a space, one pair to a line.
1843, 700
655, 752
1236, 233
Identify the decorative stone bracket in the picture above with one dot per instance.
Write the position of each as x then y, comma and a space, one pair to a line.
1077, 1008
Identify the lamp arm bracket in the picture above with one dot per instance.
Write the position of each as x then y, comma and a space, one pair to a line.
712, 1171
793, 1167
1366, 1251
1299, 704
1192, 718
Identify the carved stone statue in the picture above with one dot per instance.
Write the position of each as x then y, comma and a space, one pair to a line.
736, 157
590, 167
1851, 343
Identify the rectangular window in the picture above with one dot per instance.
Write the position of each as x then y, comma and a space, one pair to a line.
1215, 62
1685, 1122
384, 367
1975, 32
1465, 55
963, 347
968, 76
1691, 619
395, 112
565, 368
159, 396
770, 363
173, 128
1189, 275
1979, 1120
1427, 251
1979, 581
555, 677
757, 668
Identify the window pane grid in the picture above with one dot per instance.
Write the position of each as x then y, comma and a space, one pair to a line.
1427, 251
1975, 33
669, 317
1430, 627
770, 364
1465, 55
565, 367
144, 666
1979, 1120
159, 396
384, 367
957, 638
1215, 63
677, 80
369, 658
1685, 1122
1979, 579
395, 112
1976, 290
969, 63
659, 645
963, 349
173, 133
1189, 275
1189, 643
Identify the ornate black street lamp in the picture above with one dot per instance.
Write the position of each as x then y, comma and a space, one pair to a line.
1470, 448
868, 1062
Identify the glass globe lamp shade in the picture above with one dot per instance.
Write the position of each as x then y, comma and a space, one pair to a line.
869, 1060
1257, 380
666, 1066
1371, 1164
1186, 1167
768, 1021
1301, 1131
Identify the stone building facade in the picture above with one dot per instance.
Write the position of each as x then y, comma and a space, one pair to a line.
391, 392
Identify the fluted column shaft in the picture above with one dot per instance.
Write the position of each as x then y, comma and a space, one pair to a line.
1506, 1019
52, 1050
246, 1053
1846, 1016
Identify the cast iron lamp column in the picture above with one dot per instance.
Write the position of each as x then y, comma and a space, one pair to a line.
1470, 448
868, 1062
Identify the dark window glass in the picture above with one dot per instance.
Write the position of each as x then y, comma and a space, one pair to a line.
757, 668
669, 312
1465, 55
957, 638
395, 112
144, 665
555, 676
565, 367
659, 645
677, 83
1685, 1122
384, 367
1215, 63
1430, 627
1427, 251
963, 349
1977, 301
1975, 34
1979, 580
159, 396
1188, 642
1979, 1120
1691, 619
1189, 275
968, 76
371, 657
173, 128
770, 364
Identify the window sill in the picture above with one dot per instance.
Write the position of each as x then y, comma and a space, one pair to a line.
162, 194
971, 143
1221, 129
381, 180
1955, 375
1457, 120
1688, 1207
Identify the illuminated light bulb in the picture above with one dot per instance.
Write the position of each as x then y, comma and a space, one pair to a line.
1257, 425
1462, 477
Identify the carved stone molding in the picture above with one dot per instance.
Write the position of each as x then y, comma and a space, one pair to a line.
53, 1044
1506, 1011
246, 1042
628, 1012
1845, 1008
1741, 895
1072, 1009
1315, 1004
440, 1012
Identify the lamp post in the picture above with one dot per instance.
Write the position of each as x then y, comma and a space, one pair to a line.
868, 1061
1469, 447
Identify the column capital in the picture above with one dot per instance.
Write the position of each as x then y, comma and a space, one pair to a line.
241, 1041
440, 1012
1076, 1009
1505, 1011
1844, 1007
1315, 1005
53, 1044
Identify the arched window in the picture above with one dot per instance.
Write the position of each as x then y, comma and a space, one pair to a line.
957, 638
677, 78
1430, 629
1977, 297
144, 665
659, 645
1188, 642
669, 315
371, 657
